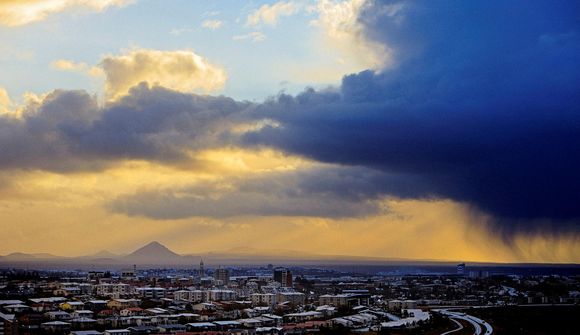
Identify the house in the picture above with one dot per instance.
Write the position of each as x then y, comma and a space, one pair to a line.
83, 323
57, 315
143, 330
96, 305
117, 332
82, 314
172, 328
56, 327
132, 311
72, 306
200, 326
120, 304
85, 332
18, 308
303, 316
8, 324
224, 325
204, 306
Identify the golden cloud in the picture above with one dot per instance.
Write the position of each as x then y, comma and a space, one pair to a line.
339, 21
269, 14
5, 102
180, 70
68, 65
21, 12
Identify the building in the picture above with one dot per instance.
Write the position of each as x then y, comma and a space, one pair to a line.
129, 273
72, 306
294, 298
201, 269
397, 305
189, 295
461, 269
481, 274
56, 327
283, 276
263, 299
112, 290
120, 304
8, 324
57, 315
150, 292
222, 275
96, 305
117, 332
220, 295
345, 299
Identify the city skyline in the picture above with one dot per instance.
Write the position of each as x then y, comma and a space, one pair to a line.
364, 128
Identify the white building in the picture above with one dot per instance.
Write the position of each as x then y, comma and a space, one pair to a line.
220, 295
397, 305
112, 290
267, 299
294, 298
150, 292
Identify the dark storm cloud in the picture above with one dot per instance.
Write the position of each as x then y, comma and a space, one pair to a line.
68, 131
483, 105
333, 192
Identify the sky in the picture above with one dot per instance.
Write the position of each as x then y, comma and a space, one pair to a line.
402, 129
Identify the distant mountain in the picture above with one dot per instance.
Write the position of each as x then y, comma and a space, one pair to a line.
153, 253
156, 254
45, 255
23, 256
103, 254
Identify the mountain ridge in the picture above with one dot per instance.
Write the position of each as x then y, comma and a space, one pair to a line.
155, 253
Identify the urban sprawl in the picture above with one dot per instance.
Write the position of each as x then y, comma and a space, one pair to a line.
260, 300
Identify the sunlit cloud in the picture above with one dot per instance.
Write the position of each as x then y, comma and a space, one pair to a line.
212, 24
83, 68
255, 36
22, 12
269, 14
180, 70
343, 31
5, 102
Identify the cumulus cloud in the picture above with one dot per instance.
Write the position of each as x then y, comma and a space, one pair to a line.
269, 14
180, 70
69, 131
340, 22
255, 36
5, 102
212, 24
68, 65
22, 12
486, 115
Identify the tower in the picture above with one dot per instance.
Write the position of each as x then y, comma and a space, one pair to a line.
222, 275
201, 269
283, 276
